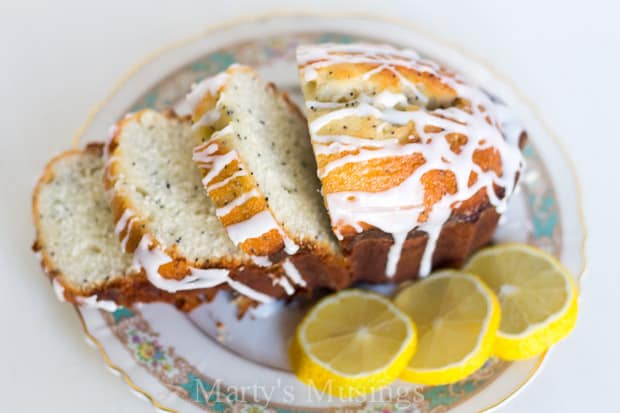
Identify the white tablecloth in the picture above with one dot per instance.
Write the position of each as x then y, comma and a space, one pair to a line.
58, 58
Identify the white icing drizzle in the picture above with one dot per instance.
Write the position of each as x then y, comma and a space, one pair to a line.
261, 260
240, 200
289, 245
224, 182
227, 130
256, 226
59, 290
394, 253
315, 104
249, 292
121, 224
208, 86
152, 258
90, 301
215, 164
124, 224
311, 58
388, 99
126, 237
292, 273
208, 118
253, 227
285, 284
397, 210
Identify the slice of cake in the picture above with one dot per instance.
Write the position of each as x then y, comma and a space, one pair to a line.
76, 242
258, 169
165, 219
416, 165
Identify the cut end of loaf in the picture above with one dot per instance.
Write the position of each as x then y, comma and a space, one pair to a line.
75, 233
150, 173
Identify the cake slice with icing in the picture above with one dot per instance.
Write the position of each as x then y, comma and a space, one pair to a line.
416, 165
163, 217
76, 242
258, 169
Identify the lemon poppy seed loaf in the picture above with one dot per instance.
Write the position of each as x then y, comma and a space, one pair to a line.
416, 164
258, 169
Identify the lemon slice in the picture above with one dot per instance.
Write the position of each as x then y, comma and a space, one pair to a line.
457, 318
537, 294
352, 343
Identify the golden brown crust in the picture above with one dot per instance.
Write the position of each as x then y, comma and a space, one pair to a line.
459, 238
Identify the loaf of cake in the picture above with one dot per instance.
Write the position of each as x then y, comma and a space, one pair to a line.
164, 218
401, 166
258, 169
76, 242
415, 164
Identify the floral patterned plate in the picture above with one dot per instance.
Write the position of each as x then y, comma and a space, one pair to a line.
208, 360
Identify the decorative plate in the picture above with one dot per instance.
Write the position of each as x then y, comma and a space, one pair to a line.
210, 361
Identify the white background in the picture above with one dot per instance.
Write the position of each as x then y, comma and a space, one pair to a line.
59, 58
